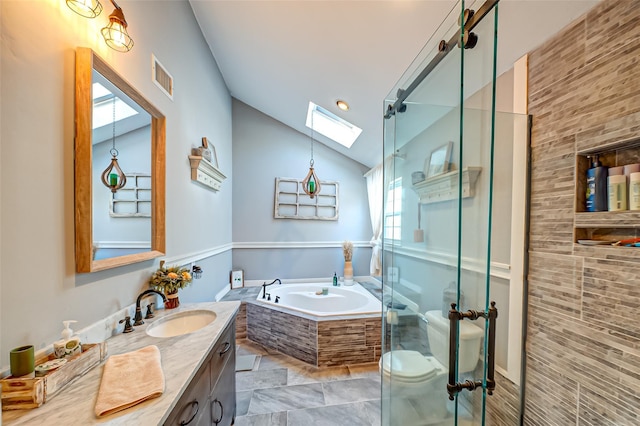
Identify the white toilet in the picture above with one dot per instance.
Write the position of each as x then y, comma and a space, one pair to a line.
423, 379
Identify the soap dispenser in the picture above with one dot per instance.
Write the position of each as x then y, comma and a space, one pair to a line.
68, 345
335, 279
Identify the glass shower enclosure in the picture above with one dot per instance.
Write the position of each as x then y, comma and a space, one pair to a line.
440, 127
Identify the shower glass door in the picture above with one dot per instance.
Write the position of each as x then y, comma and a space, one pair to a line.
438, 150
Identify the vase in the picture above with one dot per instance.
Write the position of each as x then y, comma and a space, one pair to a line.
172, 300
348, 273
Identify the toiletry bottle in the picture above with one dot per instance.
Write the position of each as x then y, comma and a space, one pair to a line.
68, 345
596, 186
335, 279
617, 193
634, 191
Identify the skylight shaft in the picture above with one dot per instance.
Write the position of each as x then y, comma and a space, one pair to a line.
331, 126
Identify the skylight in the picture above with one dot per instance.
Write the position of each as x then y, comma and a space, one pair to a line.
103, 107
331, 126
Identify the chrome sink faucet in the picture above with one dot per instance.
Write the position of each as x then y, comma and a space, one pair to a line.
138, 317
265, 285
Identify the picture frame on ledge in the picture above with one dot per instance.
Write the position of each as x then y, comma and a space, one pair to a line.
439, 160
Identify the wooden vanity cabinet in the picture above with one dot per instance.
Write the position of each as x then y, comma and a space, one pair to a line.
210, 398
223, 378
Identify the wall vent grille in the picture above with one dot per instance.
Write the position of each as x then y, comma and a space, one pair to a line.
161, 77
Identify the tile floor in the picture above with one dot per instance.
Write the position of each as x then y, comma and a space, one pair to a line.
283, 391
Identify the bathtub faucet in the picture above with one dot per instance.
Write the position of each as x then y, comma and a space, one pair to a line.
265, 285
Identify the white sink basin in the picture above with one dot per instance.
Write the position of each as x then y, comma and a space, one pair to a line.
181, 323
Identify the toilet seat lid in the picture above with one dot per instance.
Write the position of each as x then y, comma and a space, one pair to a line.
409, 365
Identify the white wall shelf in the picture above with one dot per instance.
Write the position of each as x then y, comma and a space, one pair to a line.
205, 173
445, 186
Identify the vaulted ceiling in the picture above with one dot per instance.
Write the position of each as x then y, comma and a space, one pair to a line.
276, 56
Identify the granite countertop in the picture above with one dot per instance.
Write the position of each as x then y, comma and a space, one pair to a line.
181, 357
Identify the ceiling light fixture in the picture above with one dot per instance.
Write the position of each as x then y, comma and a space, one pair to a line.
86, 8
113, 177
311, 183
115, 34
343, 105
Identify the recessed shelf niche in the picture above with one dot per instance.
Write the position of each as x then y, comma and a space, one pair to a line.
605, 225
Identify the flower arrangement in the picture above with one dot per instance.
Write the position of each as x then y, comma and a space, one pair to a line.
347, 250
170, 280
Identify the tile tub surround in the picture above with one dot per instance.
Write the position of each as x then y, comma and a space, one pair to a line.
181, 357
251, 293
319, 342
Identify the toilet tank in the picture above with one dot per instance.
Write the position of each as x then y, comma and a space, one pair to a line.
469, 346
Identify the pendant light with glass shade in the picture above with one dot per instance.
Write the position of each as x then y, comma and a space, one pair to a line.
311, 183
113, 177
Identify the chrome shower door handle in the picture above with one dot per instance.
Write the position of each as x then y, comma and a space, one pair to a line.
453, 386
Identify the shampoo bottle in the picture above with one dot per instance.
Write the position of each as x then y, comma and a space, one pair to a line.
68, 345
596, 186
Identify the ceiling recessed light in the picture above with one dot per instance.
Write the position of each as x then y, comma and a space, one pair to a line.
343, 105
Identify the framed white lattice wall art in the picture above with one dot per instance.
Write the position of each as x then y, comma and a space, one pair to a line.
291, 202
134, 200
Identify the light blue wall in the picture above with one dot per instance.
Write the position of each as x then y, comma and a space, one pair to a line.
39, 39
264, 149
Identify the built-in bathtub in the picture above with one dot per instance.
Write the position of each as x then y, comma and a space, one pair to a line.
339, 301
342, 327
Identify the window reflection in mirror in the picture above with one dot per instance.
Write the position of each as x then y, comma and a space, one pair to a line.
121, 220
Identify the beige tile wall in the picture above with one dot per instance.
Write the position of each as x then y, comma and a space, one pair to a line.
583, 344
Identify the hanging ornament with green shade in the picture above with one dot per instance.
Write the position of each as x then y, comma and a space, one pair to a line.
311, 183
113, 177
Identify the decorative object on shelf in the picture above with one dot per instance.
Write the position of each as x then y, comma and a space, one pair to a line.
444, 187
196, 271
291, 201
113, 177
115, 33
417, 177
311, 184
169, 281
347, 251
204, 151
439, 160
204, 166
418, 234
237, 278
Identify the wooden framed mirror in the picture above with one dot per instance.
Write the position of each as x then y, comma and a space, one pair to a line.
128, 226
